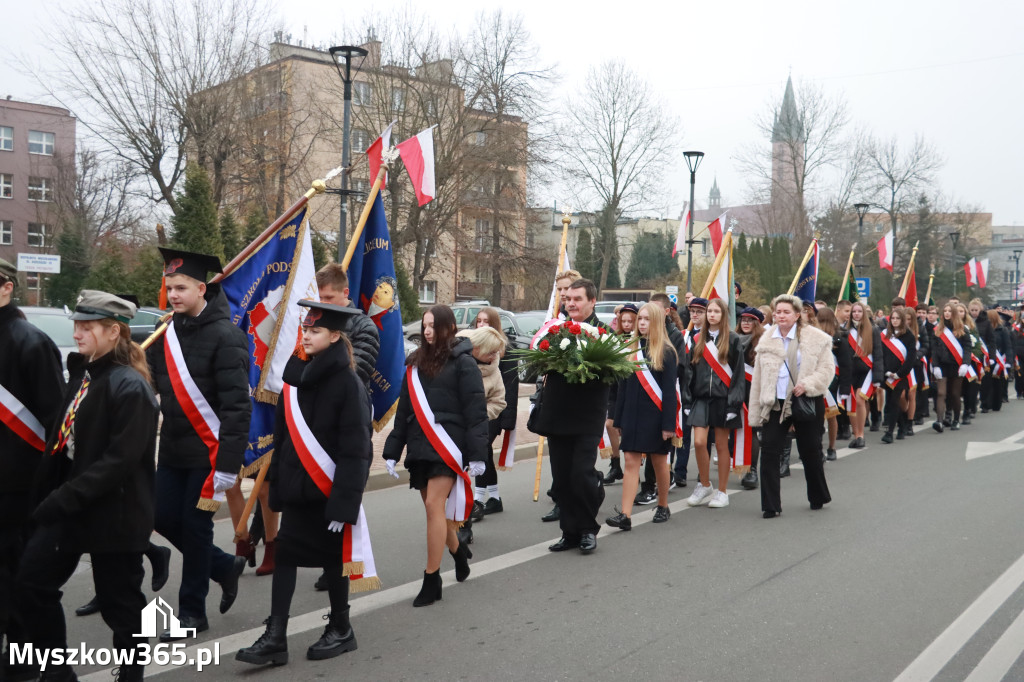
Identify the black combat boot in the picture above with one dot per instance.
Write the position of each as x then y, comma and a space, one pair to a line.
338, 638
271, 647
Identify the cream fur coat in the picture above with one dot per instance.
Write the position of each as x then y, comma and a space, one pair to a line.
816, 370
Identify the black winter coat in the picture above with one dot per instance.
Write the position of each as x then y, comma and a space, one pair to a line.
924, 340
30, 368
636, 414
103, 498
844, 359
942, 358
456, 396
860, 368
362, 333
891, 363
1004, 343
985, 333
702, 383
509, 368
217, 355
336, 407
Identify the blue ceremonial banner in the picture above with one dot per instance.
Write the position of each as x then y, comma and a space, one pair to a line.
258, 292
374, 288
807, 282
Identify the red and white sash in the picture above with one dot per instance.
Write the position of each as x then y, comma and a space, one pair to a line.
508, 450
1001, 369
867, 388
653, 390
743, 444
926, 371
460, 500
20, 420
897, 348
724, 372
197, 410
357, 553
679, 411
952, 345
604, 447
987, 358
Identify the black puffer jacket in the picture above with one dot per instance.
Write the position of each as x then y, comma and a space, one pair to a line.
362, 332
702, 383
336, 407
509, 368
103, 498
944, 359
891, 363
1004, 343
217, 355
844, 361
30, 369
456, 396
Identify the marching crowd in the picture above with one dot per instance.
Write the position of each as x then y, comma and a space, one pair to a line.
77, 454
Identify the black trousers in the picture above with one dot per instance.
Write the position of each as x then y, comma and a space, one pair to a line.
49, 562
12, 545
490, 475
892, 402
808, 444
575, 483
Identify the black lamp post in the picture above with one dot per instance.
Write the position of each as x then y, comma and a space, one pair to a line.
345, 52
1016, 271
862, 210
954, 237
693, 160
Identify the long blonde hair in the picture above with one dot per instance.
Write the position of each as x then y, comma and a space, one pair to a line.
956, 325
723, 334
865, 330
657, 336
965, 317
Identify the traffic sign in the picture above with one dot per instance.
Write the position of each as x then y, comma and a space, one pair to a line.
674, 298
863, 287
37, 262
672, 289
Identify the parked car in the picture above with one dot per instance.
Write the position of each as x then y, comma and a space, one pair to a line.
610, 306
55, 323
145, 322
465, 313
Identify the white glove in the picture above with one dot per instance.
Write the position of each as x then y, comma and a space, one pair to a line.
335, 526
937, 372
891, 376
223, 481
686, 413
843, 398
477, 468
962, 371
729, 416
390, 464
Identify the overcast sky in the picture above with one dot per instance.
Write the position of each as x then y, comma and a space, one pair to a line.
949, 70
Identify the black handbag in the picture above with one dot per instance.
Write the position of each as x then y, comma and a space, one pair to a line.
533, 421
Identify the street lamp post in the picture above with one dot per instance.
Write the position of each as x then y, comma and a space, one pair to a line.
862, 210
345, 52
954, 237
693, 160
1016, 271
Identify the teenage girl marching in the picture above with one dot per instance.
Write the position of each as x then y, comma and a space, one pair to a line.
866, 343
647, 412
713, 396
899, 353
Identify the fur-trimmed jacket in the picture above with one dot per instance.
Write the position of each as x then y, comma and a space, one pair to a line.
816, 370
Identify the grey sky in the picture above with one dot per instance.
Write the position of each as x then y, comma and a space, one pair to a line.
951, 71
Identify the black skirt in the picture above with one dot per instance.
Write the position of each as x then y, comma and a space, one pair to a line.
711, 413
304, 540
422, 471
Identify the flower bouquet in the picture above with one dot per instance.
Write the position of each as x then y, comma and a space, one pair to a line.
579, 352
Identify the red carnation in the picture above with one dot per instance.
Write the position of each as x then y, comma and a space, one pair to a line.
554, 329
544, 345
575, 328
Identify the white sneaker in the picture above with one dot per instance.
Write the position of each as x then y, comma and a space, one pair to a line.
700, 495
719, 500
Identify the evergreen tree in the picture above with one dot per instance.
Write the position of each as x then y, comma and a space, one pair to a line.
108, 272
585, 254
230, 234
74, 268
741, 252
255, 222
145, 276
408, 297
614, 279
319, 249
651, 260
195, 222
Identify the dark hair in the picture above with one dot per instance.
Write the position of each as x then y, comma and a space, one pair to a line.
332, 275
589, 288
663, 299
430, 358
898, 301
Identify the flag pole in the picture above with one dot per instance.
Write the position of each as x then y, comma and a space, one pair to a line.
910, 269
928, 296
378, 181
803, 263
566, 219
715, 267
846, 277
317, 187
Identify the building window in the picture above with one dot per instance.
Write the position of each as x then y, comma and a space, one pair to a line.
40, 189
40, 143
6, 232
361, 93
483, 235
361, 139
480, 138
6, 138
38, 235
1009, 276
430, 248
529, 240
703, 247
428, 292
482, 275
397, 100
6, 186
32, 281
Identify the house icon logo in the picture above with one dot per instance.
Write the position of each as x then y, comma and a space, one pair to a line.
158, 616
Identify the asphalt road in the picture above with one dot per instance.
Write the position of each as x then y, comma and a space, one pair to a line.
914, 572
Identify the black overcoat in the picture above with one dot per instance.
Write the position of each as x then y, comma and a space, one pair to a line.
639, 417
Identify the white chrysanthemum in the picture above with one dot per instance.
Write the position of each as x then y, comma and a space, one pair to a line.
590, 329
564, 344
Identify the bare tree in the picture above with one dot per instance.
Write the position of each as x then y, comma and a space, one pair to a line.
140, 75
616, 139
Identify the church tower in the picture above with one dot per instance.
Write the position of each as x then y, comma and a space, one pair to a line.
788, 141
715, 197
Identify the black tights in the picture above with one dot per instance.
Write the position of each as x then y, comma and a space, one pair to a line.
283, 588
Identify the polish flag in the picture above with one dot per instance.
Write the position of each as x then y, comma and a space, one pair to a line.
981, 274
715, 230
722, 287
885, 252
418, 155
680, 244
970, 267
375, 152
911, 294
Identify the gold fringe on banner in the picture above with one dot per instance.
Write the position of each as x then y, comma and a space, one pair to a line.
251, 469
364, 584
739, 471
353, 568
207, 505
264, 396
379, 424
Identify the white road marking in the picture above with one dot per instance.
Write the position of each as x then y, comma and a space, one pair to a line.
935, 657
1003, 654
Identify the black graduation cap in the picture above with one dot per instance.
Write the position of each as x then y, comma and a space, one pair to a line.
131, 298
194, 265
327, 315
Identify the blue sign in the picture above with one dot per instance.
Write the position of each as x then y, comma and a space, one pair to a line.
674, 298
863, 287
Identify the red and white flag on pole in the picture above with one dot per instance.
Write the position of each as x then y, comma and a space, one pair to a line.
680, 244
418, 156
375, 151
723, 285
715, 230
970, 267
981, 275
885, 252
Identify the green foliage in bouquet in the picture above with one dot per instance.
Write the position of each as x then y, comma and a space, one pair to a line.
580, 353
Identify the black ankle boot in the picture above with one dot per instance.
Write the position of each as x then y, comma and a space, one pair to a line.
271, 647
128, 673
901, 430
462, 556
338, 638
614, 472
431, 590
887, 436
